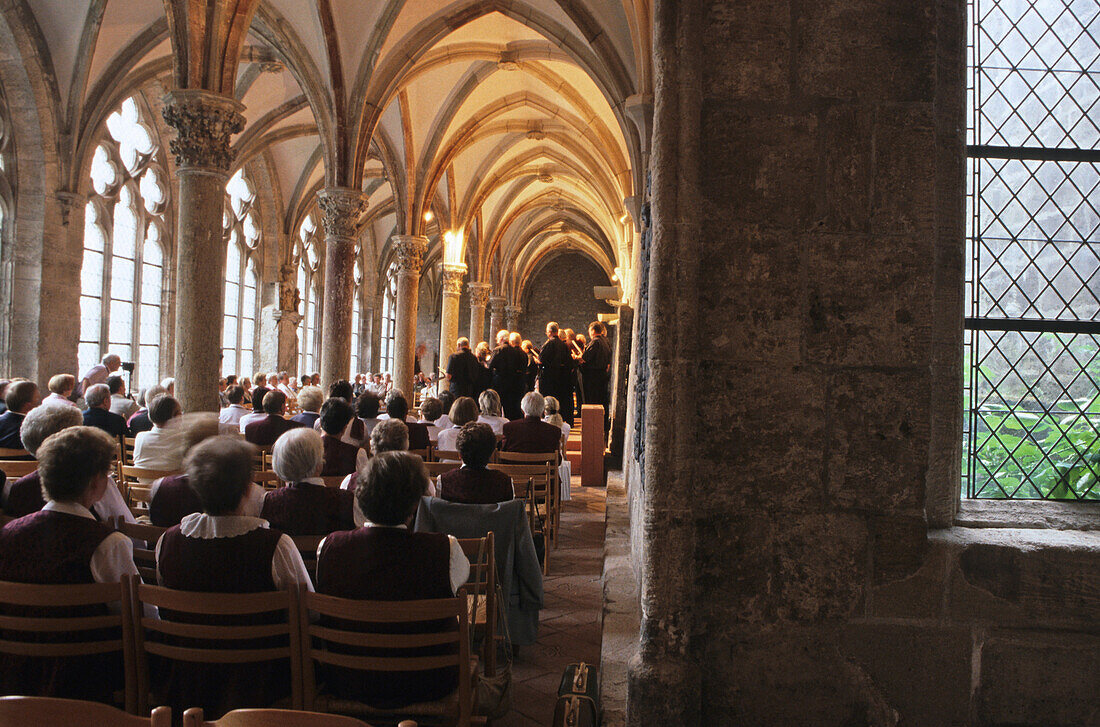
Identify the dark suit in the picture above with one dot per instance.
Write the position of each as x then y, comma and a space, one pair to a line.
531, 434
596, 369
113, 424
306, 418
264, 432
508, 365
463, 369
9, 430
419, 437
139, 422
556, 375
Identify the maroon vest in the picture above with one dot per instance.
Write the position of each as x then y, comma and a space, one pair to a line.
475, 487
173, 501
307, 509
25, 496
389, 564
220, 565
340, 457
49, 547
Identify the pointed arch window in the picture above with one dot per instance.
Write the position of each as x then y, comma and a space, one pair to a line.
389, 318
241, 278
125, 249
356, 321
309, 289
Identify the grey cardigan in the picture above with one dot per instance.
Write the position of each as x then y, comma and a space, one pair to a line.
517, 565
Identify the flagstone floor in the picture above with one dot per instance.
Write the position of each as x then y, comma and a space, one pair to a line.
569, 628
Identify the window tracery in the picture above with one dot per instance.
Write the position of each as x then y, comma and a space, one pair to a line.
309, 286
243, 240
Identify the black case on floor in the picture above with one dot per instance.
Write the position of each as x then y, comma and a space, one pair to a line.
578, 702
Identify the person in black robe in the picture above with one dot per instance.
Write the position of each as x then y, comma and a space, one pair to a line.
596, 370
556, 375
508, 365
462, 370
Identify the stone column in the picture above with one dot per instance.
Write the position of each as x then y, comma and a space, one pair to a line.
479, 297
373, 308
340, 209
496, 317
204, 123
409, 250
620, 380
511, 316
448, 320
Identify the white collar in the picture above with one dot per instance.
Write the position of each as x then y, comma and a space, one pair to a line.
201, 525
311, 481
69, 508
369, 524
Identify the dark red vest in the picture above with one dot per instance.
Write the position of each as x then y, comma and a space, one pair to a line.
25, 496
173, 501
475, 487
49, 547
220, 565
307, 509
389, 564
339, 457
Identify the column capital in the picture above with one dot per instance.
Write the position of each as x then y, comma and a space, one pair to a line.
340, 210
513, 310
452, 279
204, 123
409, 251
496, 302
479, 293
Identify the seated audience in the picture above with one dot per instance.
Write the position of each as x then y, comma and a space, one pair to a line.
491, 412
169, 386
463, 412
553, 416
98, 374
121, 404
385, 561
24, 495
353, 433
21, 397
159, 448
264, 431
391, 435
446, 400
139, 420
259, 392
172, 498
305, 506
366, 410
286, 387
246, 384
310, 399
473, 483
223, 550
341, 458
531, 434
229, 418
61, 389
430, 410
304, 381
98, 414
398, 408
63, 544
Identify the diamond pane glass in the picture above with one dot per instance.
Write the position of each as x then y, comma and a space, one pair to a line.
120, 324
90, 315
148, 366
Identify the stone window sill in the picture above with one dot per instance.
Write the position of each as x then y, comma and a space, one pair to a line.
1028, 514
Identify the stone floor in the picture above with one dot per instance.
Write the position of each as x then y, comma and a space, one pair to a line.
569, 628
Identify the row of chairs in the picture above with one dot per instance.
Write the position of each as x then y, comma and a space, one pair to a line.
309, 635
23, 711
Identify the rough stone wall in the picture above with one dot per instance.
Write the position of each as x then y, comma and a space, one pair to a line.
427, 322
805, 316
562, 291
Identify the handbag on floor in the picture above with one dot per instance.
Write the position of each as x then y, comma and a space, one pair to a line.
578, 698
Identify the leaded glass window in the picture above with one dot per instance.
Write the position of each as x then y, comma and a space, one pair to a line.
356, 320
389, 319
241, 280
1033, 245
309, 291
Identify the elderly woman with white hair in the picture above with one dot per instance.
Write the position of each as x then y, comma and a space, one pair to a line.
24, 496
305, 506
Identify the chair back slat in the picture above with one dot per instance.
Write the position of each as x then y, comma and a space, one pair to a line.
70, 623
385, 663
380, 641
381, 611
214, 604
435, 469
16, 468
20, 711
85, 648
212, 656
212, 631
271, 717
9, 453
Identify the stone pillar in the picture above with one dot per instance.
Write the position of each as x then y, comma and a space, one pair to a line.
496, 317
409, 251
479, 297
448, 320
340, 208
204, 123
511, 316
374, 305
620, 380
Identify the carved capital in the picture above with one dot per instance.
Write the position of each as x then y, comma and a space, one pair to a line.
479, 294
496, 303
340, 210
511, 316
452, 279
409, 252
204, 123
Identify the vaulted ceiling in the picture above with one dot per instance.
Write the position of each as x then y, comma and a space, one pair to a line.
518, 126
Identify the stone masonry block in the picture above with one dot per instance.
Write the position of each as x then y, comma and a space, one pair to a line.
750, 43
820, 565
905, 170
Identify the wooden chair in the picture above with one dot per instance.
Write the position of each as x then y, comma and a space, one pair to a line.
6, 453
449, 455
552, 460
334, 480
16, 468
534, 482
30, 711
138, 498
364, 625
266, 479
261, 459
145, 557
274, 718
50, 631
481, 595
307, 547
435, 469
424, 454
131, 476
209, 643
127, 457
